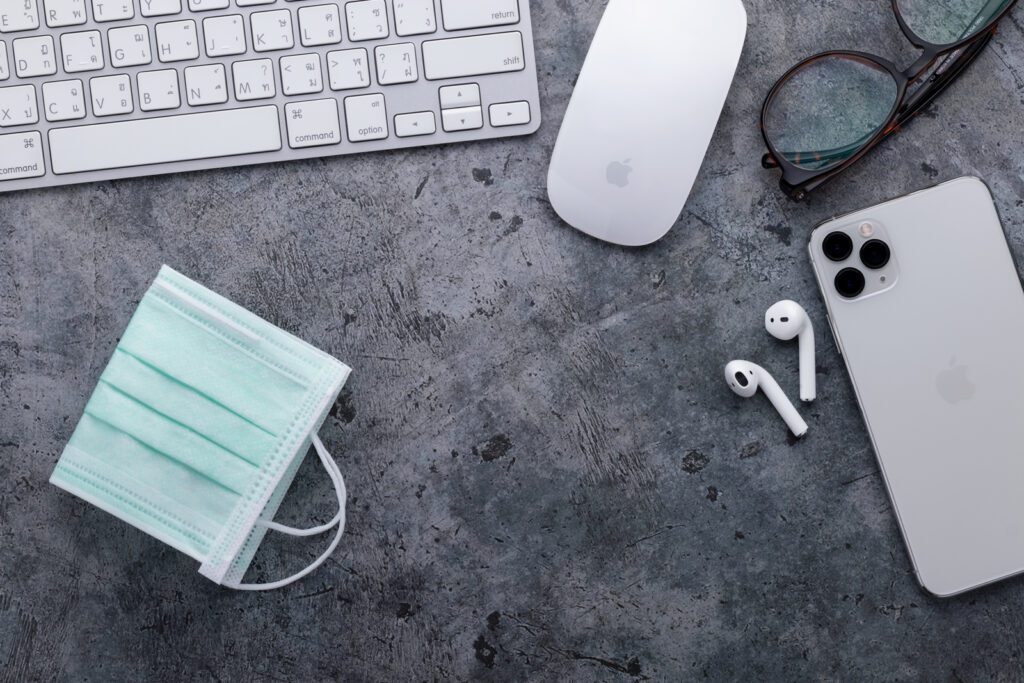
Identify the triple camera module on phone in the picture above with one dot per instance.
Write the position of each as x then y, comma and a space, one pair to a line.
874, 255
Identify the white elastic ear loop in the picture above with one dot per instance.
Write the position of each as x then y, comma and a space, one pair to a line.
332, 471
339, 520
293, 531
312, 531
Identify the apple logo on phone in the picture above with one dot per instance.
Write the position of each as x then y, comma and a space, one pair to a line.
618, 173
954, 384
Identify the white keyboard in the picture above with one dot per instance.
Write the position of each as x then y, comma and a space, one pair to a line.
101, 89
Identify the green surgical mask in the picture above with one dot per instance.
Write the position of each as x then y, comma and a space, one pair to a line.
198, 426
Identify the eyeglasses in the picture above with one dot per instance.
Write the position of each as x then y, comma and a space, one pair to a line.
830, 110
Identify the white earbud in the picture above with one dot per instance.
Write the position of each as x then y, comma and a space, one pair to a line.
787, 320
744, 378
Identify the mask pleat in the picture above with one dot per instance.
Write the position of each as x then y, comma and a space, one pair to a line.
171, 439
154, 470
185, 405
253, 380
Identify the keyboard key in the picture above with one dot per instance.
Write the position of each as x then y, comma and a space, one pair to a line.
34, 56
319, 25
415, 17
112, 10
254, 80
466, 118
367, 20
313, 124
272, 30
207, 5
111, 95
176, 41
64, 100
83, 51
18, 15
129, 46
18, 106
462, 14
301, 75
251, 3
348, 69
366, 117
396, 64
411, 125
206, 85
160, 8
224, 36
64, 12
5, 71
473, 56
510, 114
456, 96
186, 137
21, 156
158, 90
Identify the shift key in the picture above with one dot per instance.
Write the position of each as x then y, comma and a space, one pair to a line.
21, 156
463, 14
492, 53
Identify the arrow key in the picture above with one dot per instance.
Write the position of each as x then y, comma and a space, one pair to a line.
463, 95
510, 114
465, 118
412, 125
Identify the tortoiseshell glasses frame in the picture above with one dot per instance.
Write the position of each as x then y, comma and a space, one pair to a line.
798, 181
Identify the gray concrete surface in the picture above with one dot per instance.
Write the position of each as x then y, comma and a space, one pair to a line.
550, 480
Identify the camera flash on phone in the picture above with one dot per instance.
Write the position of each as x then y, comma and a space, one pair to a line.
867, 230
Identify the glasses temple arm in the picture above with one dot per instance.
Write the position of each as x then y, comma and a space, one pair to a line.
947, 72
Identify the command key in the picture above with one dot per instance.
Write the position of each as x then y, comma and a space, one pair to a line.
21, 156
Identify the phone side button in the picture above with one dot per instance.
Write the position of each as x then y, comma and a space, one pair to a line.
835, 337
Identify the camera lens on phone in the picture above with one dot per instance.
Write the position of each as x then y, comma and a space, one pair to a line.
850, 282
875, 254
838, 246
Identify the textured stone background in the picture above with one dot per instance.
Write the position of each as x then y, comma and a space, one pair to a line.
550, 480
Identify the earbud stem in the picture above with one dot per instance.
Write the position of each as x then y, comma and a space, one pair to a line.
808, 379
783, 405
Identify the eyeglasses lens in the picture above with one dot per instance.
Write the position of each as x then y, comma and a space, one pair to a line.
944, 22
828, 110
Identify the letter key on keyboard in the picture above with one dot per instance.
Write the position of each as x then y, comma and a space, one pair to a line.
101, 89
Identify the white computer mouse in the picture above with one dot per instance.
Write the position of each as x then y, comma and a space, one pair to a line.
642, 115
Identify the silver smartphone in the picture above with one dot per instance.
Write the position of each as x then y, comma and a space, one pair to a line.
927, 310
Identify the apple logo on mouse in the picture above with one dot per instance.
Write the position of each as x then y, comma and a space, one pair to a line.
618, 173
954, 385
